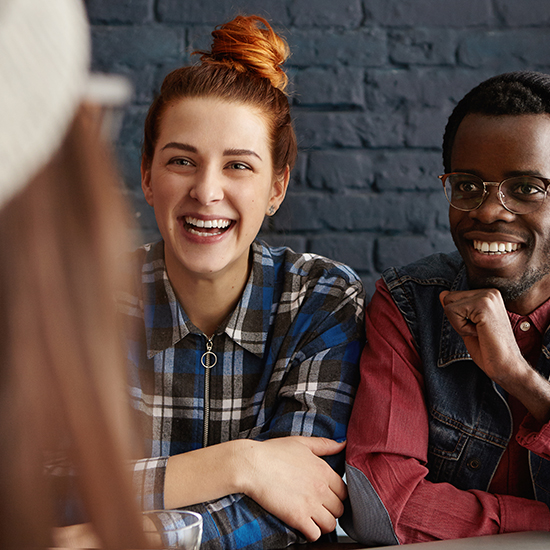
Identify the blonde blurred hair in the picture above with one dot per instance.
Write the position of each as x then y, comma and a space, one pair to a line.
62, 379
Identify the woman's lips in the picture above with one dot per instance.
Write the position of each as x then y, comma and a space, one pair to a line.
206, 228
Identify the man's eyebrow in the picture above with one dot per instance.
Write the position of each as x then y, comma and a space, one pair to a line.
241, 152
180, 146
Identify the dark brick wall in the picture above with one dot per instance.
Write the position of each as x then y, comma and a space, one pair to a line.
373, 84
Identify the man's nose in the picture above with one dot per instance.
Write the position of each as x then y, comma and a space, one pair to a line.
492, 209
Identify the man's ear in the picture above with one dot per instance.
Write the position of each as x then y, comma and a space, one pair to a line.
278, 190
146, 183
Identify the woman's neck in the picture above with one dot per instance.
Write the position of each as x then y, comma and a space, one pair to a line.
208, 301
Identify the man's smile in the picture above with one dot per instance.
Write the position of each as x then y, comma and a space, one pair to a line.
493, 247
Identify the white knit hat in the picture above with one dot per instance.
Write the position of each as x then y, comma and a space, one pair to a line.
44, 67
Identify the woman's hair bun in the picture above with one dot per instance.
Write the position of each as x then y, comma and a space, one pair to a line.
248, 43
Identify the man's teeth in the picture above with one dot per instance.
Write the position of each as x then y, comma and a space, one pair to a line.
207, 224
495, 247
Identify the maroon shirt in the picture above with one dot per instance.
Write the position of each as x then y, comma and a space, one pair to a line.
388, 439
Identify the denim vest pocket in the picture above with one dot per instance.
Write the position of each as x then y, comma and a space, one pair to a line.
460, 454
445, 448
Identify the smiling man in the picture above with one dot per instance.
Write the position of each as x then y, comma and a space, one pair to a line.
450, 432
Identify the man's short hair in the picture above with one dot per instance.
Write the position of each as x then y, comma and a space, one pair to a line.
515, 93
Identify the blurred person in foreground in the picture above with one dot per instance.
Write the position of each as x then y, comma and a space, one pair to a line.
63, 404
450, 432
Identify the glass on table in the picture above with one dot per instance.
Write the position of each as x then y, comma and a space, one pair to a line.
173, 529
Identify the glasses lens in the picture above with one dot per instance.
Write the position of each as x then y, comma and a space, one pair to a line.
464, 191
523, 194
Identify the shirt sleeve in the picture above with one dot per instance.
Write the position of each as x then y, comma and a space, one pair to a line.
319, 369
535, 436
391, 501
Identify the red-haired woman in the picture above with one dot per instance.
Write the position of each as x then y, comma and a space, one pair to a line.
244, 351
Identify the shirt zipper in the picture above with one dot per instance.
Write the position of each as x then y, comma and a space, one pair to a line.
208, 360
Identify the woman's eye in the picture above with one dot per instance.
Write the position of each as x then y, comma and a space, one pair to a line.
180, 162
239, 166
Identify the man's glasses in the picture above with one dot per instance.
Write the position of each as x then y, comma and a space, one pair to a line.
519, 195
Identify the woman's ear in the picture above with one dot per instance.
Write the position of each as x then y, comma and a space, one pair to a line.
146, 183
278, 191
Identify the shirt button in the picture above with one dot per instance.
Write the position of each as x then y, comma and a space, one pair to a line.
474, 464
525, 326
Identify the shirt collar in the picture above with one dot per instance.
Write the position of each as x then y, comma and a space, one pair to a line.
166, 323
540, 317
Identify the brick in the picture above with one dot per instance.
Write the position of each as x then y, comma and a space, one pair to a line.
298, 243
327, 13
401, 250
358, 211
526, 12
144, 216
323, 130
423, 46
442, 241
136, 46
369, 282
428, 13
393, 251
505, 50
336, 170
216, 12
426, 126
407, 170
129, 161
365, 47
355, 250
335, 86
132, 126
120, 11
298, 174
421, 87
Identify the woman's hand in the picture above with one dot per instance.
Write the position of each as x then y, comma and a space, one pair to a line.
284, 475
287, 477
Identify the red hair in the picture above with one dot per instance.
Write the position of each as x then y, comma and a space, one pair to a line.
244, 65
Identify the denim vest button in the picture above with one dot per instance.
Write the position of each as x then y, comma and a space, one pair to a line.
474, 464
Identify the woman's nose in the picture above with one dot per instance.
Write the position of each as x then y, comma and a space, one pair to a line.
207, 187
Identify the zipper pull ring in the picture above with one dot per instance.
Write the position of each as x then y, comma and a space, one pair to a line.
209, 356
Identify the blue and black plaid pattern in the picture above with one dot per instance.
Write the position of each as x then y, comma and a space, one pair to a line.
287, 365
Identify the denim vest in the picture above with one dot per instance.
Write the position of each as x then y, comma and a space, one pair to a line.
469, 418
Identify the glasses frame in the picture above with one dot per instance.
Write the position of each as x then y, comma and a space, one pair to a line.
500, 194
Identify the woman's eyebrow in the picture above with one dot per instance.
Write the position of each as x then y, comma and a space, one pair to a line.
240, 152
181, 146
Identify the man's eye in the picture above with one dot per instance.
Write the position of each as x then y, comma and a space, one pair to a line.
468, 187
527, 189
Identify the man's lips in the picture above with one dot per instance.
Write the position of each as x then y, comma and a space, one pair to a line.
495, 247
494, 243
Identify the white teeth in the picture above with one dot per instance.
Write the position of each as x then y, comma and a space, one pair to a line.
208, 224
495, 247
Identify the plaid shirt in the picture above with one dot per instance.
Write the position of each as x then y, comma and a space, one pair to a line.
287, 364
